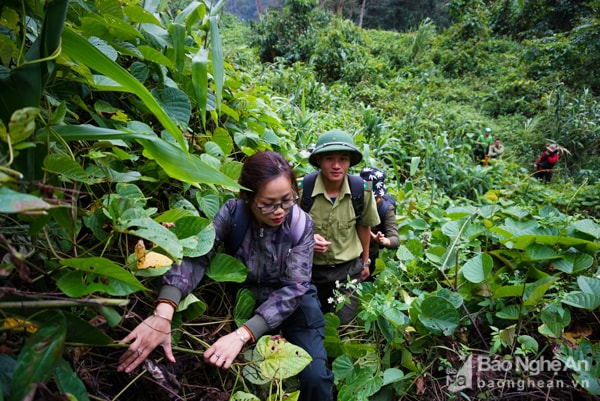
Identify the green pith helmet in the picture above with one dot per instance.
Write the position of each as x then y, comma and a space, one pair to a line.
488, 130
335, 141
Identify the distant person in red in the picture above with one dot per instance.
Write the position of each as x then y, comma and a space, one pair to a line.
545, 163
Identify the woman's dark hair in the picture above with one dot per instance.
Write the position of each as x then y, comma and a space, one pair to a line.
261, 168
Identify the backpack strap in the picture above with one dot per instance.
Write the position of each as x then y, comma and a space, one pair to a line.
308, 184
297, 224
382, 208
241, 222
358, 186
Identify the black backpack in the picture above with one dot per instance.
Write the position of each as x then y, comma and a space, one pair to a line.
357, 187
241, 222
384, 205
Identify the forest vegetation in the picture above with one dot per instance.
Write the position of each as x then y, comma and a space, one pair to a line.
123, 127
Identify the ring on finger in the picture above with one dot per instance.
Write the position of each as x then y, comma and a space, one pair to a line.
139, 351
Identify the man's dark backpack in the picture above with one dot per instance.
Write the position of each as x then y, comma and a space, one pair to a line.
357, 187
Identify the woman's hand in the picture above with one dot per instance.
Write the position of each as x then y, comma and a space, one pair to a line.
381, 239
152, 332
223, 352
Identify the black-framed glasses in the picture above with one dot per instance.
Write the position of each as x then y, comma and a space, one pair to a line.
286, 204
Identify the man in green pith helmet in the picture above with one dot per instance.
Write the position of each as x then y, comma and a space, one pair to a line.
343, 209
482, 145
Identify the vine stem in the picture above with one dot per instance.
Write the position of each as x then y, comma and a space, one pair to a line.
59, 303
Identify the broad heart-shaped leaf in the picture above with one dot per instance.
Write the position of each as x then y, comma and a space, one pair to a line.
589, 285
392, 375
363, 382
208, 202
152, 231
191, 307
588, 226
226, 268
38, 358
582, 300
540, 252
176, 103
16, 202
438, 315
67, 168
342, 367
280, 359
478, 268
68, 382
222, 138
197, 235
573, 263
93, 274
244, 306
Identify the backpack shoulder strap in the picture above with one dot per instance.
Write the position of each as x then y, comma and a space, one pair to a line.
241, 221
308, 184
358, 187
297, 224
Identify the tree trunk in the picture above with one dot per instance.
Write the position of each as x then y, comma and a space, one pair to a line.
259, 9
362, 13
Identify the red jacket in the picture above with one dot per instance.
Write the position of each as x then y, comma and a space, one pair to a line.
547, 160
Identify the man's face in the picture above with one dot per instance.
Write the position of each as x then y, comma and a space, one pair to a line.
334, 165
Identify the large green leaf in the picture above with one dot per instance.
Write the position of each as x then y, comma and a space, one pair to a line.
78, 48
244, 306
176, 103
196, 234
438, 315
120, 280
478, 268
536, 290
152, 231
589, 227
574, 263
68, 168
38, 358
177, 163
277, 359
200, 81
23, 86
217, 59
16, 202
226, 268
584, 360
68, 382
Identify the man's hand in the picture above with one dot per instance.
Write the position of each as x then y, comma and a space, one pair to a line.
321, 245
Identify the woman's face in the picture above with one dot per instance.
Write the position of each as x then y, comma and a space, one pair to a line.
273, 193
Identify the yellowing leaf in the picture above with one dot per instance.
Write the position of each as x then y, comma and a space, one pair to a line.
19, 325
154, 260
140, 253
